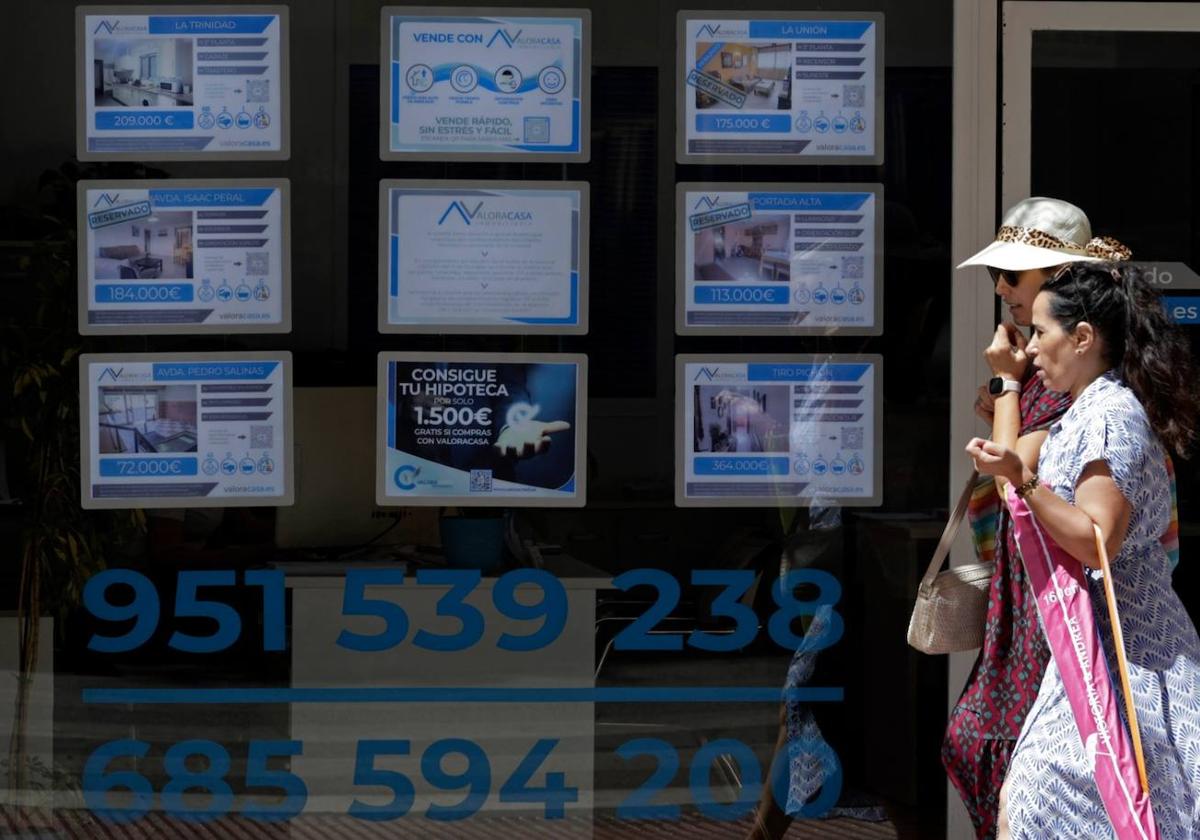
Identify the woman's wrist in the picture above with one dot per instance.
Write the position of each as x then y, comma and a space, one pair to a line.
1019, 477
1026, 483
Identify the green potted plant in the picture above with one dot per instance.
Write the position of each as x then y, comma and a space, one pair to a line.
60, 544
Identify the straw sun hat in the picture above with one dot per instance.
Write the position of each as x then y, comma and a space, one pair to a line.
1045, 232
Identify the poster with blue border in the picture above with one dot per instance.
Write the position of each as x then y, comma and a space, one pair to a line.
184, 256
779, 259
778, 430
483, 257
779, 87
463, 83
182, 82
167, 430
482, 429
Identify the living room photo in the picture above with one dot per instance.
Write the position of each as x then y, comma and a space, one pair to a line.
155, 248
752, 250
758, 70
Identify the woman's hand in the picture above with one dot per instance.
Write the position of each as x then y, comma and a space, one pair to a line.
1006, 354
993, 459
985, 405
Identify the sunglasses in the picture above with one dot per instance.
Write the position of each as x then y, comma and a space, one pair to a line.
998, 274
1012, 277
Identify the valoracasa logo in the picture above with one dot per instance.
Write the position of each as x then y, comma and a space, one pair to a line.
107, 200
461, 209
706, 373
110, 28
708, 29
503, 34
707, 202
111, 373
406, 477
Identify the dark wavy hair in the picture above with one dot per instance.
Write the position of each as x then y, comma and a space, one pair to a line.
1146, 348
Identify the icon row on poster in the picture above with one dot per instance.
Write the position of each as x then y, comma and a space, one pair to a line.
475, 429
211, 83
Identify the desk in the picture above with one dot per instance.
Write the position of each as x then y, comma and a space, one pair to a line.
505, 731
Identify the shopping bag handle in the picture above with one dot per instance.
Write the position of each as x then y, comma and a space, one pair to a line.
1122, 665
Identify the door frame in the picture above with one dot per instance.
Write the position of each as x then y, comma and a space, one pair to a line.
1021, 19
972, 300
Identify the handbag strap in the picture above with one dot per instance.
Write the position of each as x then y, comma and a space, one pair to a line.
951, 530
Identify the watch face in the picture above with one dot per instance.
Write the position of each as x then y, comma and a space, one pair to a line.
998, 385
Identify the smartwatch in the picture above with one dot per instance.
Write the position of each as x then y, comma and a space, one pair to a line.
998, 385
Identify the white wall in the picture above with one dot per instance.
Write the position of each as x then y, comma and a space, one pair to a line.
118, 235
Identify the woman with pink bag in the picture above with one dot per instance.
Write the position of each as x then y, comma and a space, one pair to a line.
1100, 333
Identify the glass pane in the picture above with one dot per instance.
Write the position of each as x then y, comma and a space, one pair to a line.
236, 615
1116, 130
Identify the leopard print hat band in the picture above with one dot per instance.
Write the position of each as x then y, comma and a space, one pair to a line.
1100, 247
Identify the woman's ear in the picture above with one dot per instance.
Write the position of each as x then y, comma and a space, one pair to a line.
1084, 337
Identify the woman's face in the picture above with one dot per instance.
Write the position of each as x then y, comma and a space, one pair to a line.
1051, 348
1018, 289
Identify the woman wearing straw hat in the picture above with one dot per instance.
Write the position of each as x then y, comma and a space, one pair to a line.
1101, 334
1037, 237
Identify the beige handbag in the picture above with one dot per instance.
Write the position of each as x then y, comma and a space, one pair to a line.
951, 606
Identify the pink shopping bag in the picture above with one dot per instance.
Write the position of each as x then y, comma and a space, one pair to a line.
1065, 605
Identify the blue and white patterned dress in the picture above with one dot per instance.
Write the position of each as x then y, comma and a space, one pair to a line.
1051, 789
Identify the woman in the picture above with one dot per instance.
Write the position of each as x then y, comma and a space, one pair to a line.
1036, 238
1100, 334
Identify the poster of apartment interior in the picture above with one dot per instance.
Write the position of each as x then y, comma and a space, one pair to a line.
141, 72
779, 258
147, 419
749, 250
758, 70
184, 255
157, 248
172, 430
779, 87
167, 82
764, 430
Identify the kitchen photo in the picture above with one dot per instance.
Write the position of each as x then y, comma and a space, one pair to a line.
142, 72
758, 70
158, 247
752, 250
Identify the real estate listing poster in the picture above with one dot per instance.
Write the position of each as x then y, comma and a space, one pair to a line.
482, 429
779, 259
766, 431
181, 82
190, 430
484, 84
780, 87
199, 256
497, 256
